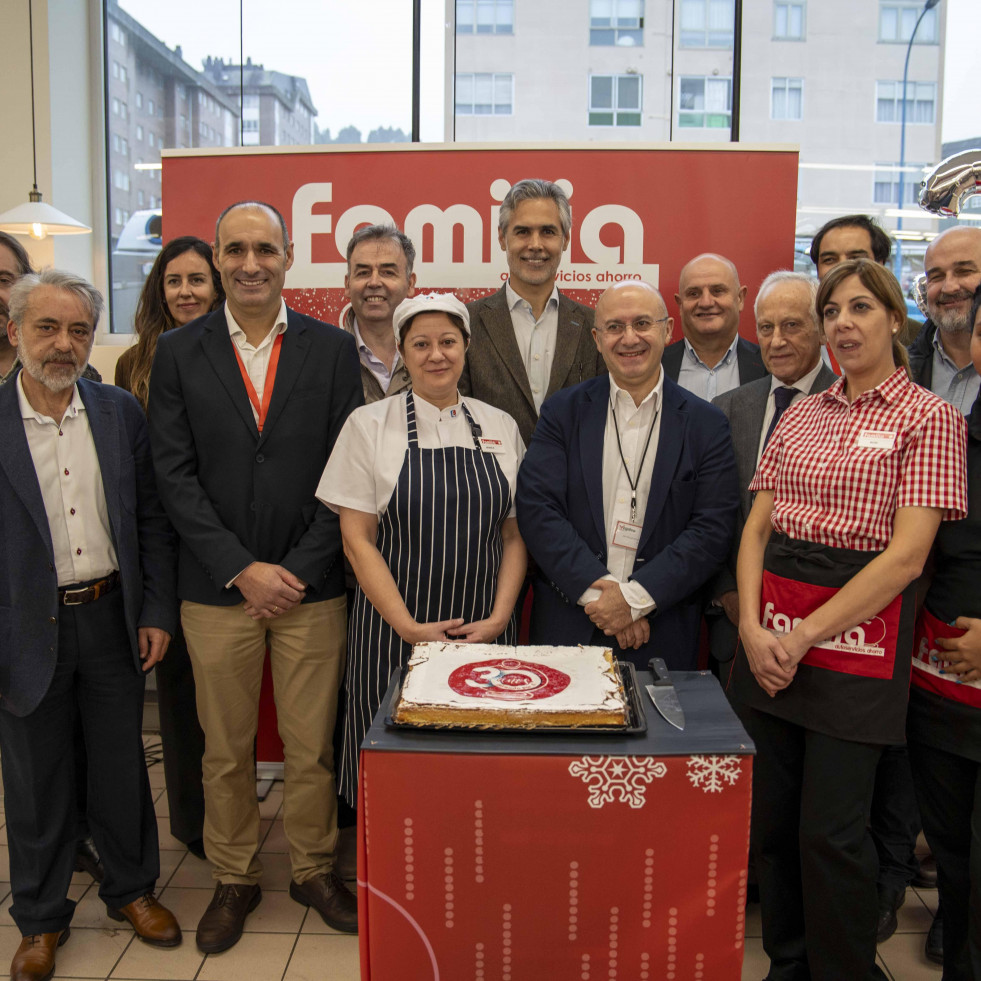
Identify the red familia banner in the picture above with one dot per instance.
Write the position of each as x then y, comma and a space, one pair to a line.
639, 211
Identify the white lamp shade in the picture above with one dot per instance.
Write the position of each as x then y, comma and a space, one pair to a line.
28, 218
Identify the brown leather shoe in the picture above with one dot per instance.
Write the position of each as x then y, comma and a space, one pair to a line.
154, 924
35, 957
223, 920
335, 903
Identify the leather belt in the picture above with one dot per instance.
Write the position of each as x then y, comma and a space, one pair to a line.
76, 595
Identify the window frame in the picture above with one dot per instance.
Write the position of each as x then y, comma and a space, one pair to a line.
706, 30
911, 103
620, 35
683, 113
802, 5
494, 78
787, 79
472, 25
915, 7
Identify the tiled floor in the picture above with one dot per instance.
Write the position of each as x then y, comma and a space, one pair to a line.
285, 942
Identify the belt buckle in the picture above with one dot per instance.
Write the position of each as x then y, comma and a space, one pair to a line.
65, 601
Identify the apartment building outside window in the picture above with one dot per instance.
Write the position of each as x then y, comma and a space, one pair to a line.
616, 22
615, 100
788, 20
897, 18
787, 98
485, 16
484, 93
704, 102
706, 23
921, 100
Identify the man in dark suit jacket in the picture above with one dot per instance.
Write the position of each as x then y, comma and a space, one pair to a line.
528, 339
87, 605
627, 496
790, 344
711, 358
259, 558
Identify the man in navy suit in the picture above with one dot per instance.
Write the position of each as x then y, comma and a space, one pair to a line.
711, 358
87, 606
627, 497
245, 406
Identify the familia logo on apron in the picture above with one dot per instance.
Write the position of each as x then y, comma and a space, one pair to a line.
868, 649
928, 673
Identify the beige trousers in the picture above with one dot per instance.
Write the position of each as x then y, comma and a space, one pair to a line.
307, 652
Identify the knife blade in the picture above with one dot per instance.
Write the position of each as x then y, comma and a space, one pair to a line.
663, 695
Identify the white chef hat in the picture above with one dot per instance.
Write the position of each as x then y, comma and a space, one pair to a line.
429, 303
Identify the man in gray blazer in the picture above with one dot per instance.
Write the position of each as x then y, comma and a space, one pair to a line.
790, 344
528, 339
87, 606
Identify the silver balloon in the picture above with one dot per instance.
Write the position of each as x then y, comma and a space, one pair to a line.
952, 180
918, 293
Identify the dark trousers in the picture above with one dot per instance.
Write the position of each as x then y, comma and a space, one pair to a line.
815, 861
949, 791
895, 820
182, 740
96, 680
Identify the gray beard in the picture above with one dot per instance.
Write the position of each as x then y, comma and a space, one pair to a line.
36, 370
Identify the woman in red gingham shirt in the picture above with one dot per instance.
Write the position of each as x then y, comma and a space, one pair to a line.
850, 492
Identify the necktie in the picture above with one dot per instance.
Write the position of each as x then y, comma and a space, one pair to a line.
782, 397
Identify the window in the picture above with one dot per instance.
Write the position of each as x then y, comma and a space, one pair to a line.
484, 94
123, 77
705, 102
121, 180
139, 100
139, 131
485, 16
150, 138
115, 142
897, 18
115, 69
614, 100
787, 98
616, 22
119, 216
115, 106
149, 106
788, 20
139, 198
886, 186
921, 99
706, 23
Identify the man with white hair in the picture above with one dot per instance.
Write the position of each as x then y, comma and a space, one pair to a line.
87, 607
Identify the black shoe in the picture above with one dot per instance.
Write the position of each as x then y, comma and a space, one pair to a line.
223, 920
346, 856
889, 902
934, 949
196, 848
87, 859
330, 898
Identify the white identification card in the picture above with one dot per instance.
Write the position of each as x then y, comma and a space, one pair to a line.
491, 445
627, 535
876, 439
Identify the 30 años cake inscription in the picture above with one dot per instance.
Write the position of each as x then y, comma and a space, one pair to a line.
507, 679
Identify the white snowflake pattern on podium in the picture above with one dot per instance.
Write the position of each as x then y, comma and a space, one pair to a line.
713, 773
617, 778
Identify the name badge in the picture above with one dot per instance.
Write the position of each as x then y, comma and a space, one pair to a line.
491, 445
876, 439
627, 535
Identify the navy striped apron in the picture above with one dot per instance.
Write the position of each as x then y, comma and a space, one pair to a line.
441, 538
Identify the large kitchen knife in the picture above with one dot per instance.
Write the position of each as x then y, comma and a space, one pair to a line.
663, 695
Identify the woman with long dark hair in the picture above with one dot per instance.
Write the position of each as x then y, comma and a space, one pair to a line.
182, 286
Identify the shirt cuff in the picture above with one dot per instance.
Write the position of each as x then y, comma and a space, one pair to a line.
591, 594
231, 582
640, 601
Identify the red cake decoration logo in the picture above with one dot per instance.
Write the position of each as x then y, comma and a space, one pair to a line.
507, 679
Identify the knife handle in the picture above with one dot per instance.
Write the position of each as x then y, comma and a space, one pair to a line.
660, 671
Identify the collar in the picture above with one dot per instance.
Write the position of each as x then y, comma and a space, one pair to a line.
896, 385
803, 384
279, 327
427, 411
726, 358
364, 349
939, 348
27, 411
514, 299
14, 368
655, 395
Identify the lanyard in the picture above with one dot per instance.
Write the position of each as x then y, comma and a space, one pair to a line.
633, 482
267, 389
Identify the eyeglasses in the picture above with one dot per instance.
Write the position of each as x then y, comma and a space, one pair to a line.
643, 325
789, 329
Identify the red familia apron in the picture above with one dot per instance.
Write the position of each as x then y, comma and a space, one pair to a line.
852, 686
927, 673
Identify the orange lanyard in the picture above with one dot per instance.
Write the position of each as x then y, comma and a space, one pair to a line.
267, 390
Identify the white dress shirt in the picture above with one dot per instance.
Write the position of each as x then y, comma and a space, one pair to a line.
697, 377
958, 386
367, 458
536, 339
67, 468
803, 386
635, 422
256, 359
376, 366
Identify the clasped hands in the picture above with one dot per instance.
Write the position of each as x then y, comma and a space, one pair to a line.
963, 659
773, 658
269, 590
613, 615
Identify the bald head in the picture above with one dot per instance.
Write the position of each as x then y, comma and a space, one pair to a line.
953, 270
710, 300
630, 286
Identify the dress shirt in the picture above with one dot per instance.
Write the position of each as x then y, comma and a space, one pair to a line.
377, 367
958, 386
635, 422
839, 470
536, 339
802, 385
256, 359
68, 472
367, 459
698, 378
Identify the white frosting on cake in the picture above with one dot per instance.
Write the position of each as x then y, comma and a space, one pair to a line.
592, 682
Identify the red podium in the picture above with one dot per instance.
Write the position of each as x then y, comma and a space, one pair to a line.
527, 857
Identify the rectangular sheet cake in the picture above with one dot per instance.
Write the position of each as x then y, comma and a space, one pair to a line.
520, 687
